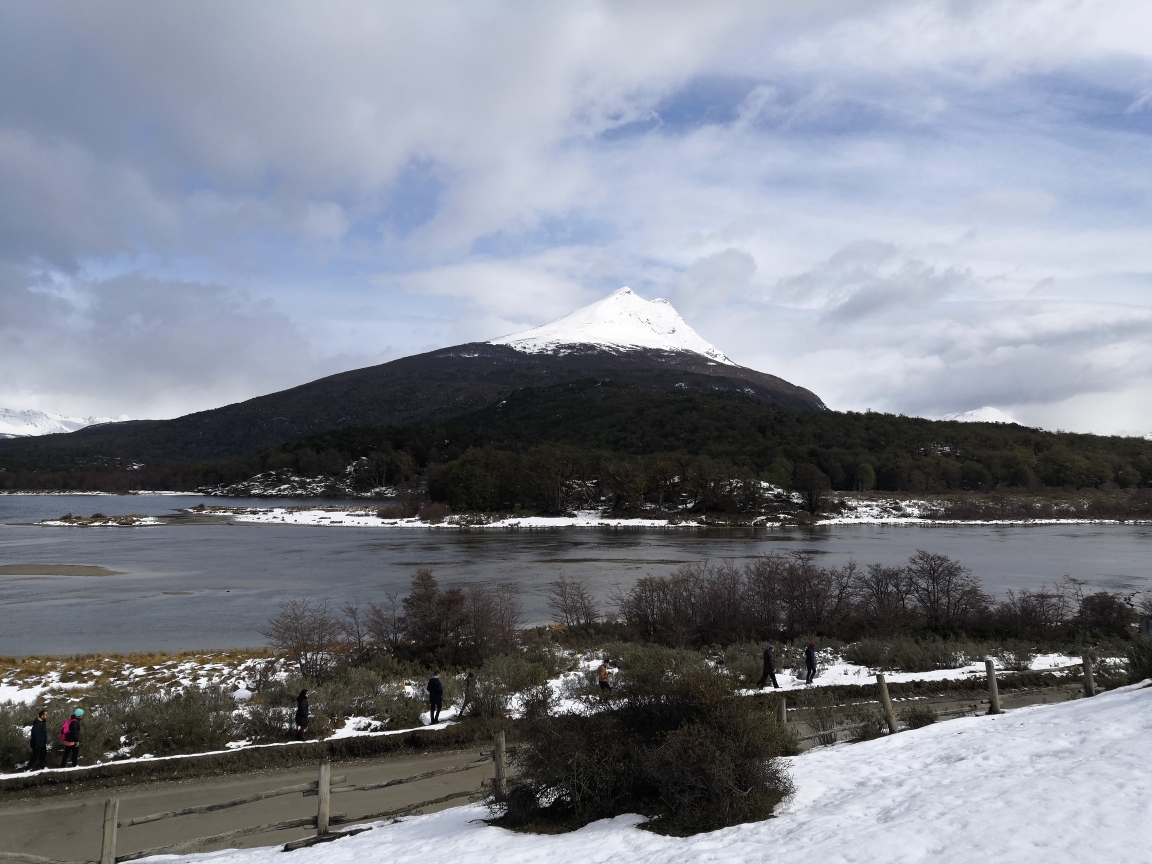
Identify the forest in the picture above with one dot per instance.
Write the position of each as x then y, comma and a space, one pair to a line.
626, 448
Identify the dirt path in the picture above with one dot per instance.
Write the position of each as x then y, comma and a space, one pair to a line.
68, 827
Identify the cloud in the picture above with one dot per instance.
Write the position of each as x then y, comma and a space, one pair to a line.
914, 207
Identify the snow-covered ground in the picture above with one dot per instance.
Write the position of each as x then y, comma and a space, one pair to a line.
368, 518
621, 321
1051, 784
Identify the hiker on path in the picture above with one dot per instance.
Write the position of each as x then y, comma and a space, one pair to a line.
605, 686
810, 661
39, 742
435, 698
302, 716
769, 668
70, 738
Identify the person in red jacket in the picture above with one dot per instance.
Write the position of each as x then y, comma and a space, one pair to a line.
70, 738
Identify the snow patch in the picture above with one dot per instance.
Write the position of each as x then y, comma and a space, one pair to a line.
15, 423
987, 414
621, 321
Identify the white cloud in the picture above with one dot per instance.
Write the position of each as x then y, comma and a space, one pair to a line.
919, 207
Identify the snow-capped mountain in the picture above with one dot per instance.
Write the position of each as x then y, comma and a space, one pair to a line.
622, 340
622, 321
17, 424
987, 414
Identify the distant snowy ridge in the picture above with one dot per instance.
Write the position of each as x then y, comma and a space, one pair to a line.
621, 321
15, 423
987, 414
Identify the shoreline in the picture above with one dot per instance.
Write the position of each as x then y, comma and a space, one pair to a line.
335, 516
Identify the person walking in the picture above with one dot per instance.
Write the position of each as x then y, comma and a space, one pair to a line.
39, 742
303, 717
605, 685
70, 738
810, 661
435, 698
769, 668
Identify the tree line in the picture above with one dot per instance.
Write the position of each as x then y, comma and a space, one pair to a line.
552, 449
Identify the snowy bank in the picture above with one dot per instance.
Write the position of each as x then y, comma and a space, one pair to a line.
1055, 784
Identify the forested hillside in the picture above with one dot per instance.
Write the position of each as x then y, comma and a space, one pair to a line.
597, 444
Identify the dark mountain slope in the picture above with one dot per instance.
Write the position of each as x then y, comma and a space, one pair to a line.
425, 388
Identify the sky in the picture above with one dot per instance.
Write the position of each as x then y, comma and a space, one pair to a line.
920, 208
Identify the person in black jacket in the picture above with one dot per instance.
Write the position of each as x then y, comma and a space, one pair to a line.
302, 717
810, 661
769, 668
435, 698
71, 739
39, 742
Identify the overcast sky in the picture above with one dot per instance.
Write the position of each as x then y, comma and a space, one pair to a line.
912, 207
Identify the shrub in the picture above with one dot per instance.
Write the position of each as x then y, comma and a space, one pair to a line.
1016, 656
14, 747
865, 724
677, 745
918, 716
265, 724
1140, 659
502, 677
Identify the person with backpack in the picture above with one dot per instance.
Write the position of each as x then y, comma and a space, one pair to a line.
810, 661
39, 742
769, 669
302, 716
70, 738
435, 698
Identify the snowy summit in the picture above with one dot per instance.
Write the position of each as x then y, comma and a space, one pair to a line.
16, 423
621, 321
987, 414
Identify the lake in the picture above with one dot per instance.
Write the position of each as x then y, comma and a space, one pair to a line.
213, 586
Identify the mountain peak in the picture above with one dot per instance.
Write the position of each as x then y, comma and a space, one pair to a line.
986, 414
622, 321
16, 423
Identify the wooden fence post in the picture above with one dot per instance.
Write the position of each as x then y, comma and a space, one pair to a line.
498, 782
324, 793
108, 847
1089, 681
782, 711
993, 692
886, 704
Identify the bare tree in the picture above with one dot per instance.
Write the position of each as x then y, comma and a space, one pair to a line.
884, 598
946, 593
509, 613
571, 604
308, 633
354, 629
385, 622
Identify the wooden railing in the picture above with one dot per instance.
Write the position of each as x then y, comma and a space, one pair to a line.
322, 788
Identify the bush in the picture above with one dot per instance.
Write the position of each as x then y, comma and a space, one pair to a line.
677, 745
264, 724
865, 724
14, 747
501, 678
918, 716
1140, 660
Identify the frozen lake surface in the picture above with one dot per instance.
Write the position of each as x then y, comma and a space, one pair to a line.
212, 586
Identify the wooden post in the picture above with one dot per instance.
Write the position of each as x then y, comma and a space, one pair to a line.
1089, 681
324, 793
782, 711
498, 781
108, 847
993, 692
886, 704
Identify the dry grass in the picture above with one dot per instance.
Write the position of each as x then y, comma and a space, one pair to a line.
151, 669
